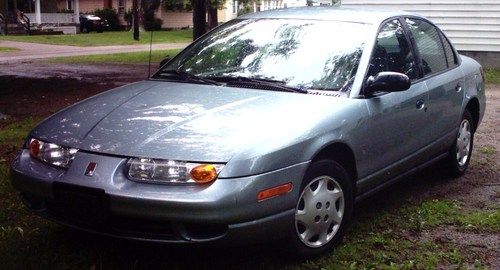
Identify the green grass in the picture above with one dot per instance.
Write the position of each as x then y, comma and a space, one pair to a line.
8, 49
487, 150
439, 212
107, 38
15, 133
384, 241
492, 76
117, 58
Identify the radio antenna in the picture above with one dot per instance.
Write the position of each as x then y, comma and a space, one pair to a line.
150, 52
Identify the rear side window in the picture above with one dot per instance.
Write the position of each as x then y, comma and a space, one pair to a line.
429, 45
450, 55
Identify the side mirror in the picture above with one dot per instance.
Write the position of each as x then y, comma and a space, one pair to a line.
387, 82
164, 61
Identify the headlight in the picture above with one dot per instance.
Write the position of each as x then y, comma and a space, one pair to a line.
51, 153
170, 171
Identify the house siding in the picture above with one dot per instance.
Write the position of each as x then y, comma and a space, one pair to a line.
175, 19
472, 25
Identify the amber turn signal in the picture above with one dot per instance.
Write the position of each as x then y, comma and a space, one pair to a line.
204, 173
34, 147
274, 192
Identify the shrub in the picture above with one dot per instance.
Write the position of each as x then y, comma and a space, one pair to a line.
128, 17
153, 25
110, 15
246, 9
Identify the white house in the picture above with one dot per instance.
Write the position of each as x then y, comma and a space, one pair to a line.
472, 25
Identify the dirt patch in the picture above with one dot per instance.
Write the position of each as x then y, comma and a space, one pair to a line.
37, 89
484, 247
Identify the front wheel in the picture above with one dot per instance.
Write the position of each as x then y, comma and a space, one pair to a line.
323, 210
460, 153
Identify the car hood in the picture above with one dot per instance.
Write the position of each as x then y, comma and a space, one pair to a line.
190, 122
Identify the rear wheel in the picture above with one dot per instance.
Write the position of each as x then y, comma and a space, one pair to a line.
323, 210
460, 153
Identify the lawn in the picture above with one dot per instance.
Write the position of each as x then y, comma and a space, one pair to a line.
8, 49
492, 76
117, 58
107, 38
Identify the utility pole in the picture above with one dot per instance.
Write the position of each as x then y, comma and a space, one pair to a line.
135, 18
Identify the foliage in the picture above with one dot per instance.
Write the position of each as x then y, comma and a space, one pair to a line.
186, 5
105, 39
149, 8
128, 16
177, 5
110, 15
246, 9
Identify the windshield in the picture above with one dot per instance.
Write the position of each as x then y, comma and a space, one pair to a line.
307, 54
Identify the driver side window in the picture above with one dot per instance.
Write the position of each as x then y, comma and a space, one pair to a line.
392, 52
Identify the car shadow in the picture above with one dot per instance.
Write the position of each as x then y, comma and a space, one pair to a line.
106, 252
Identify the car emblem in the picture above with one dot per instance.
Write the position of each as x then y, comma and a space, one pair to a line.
91, 169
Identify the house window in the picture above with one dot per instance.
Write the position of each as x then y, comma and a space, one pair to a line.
70, 4
121, 6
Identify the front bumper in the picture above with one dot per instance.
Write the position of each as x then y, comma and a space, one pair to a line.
223, 211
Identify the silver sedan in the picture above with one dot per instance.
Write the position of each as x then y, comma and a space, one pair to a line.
269, 127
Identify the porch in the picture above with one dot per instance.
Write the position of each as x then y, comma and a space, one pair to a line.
37, 15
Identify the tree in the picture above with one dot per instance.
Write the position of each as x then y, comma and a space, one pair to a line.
213, 7
135, 18
199, 18
200, 10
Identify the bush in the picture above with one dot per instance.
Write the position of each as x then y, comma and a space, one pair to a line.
245, 10
109, 15
153, 25
128, 17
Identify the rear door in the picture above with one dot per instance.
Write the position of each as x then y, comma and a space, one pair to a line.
443, 78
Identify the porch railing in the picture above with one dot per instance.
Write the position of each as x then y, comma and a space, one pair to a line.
54, 18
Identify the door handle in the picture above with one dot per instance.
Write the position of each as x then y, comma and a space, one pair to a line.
420, 104
458, 88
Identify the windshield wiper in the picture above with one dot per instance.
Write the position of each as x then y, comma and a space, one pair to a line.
186, 76
275, 84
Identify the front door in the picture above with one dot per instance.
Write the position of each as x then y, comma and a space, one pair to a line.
397, 128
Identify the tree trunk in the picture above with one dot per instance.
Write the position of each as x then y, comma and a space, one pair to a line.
135, 18
212, 17
199, 18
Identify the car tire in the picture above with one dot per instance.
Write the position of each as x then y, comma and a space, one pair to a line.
460, 152
84, 30
323, 210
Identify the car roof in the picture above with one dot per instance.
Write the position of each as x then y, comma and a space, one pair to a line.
330, 13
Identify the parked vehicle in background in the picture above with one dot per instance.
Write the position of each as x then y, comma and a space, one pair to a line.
90, 23
269, 127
